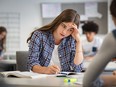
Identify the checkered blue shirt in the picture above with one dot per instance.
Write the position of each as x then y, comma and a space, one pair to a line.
41, 47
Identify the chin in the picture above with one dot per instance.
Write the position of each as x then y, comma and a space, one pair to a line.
90, 40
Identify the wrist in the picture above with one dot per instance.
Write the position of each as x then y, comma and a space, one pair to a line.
44, 69
78, 43
79, 47
39, 69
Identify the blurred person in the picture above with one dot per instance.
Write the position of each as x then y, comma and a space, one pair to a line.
92, 43
3, 33
92, 77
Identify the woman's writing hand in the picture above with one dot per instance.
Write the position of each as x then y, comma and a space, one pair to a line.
53, 69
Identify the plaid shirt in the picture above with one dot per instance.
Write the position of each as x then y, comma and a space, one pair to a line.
41, 47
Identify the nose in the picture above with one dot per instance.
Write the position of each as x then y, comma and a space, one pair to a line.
64, 31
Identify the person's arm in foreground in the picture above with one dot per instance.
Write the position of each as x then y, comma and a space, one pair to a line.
104, 55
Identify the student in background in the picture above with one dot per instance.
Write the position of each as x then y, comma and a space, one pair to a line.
3, 33
92, 43
59, 41
102, 58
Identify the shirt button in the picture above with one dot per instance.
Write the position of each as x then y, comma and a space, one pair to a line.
59, 55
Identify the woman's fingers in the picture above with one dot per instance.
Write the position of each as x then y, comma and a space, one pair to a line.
54, 69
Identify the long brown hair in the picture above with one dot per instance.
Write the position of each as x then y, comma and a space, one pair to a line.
3, 41
68, 15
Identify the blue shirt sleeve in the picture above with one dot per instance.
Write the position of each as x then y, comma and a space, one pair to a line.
74, 67
34, 49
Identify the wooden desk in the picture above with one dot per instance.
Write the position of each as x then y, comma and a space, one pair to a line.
49, 81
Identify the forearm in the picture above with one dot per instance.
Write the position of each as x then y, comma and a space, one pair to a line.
39, 69
79, 54
46, 70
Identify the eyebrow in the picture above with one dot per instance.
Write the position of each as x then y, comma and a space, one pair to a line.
66, 26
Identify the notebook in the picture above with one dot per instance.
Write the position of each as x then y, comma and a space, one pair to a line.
20, 74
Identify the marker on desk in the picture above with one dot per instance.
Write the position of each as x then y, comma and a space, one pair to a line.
70, 80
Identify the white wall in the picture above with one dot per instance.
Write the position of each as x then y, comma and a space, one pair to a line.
30, 15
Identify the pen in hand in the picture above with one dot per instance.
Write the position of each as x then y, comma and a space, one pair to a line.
53, 69
56, 69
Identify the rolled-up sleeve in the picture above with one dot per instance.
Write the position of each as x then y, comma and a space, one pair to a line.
74, 67
77, 68
34, 49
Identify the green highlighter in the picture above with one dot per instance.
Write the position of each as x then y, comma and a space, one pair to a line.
70, 80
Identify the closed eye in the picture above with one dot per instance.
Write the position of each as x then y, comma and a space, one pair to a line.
63, 25
70, 29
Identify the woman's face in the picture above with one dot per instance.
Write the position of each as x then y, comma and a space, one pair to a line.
2, 35
64, 30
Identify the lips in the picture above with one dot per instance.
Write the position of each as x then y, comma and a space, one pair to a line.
62, 35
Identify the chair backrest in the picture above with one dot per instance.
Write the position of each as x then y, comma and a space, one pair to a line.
21, 60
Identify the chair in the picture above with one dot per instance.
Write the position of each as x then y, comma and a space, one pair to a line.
21, 60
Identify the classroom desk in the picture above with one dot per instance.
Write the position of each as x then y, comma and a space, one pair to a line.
49, 81
111, 66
